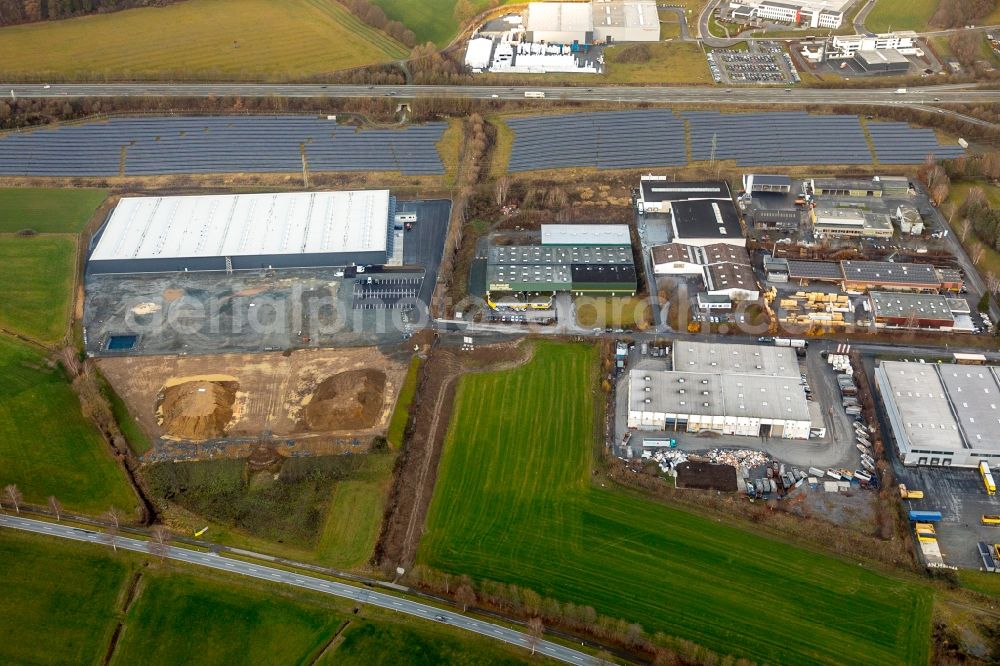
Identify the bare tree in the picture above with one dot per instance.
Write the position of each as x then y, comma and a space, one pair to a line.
963, 229
159, 541
113, 517
501, 189
14, 496
55, 507
536, 629
977, 253
465, 596
992, 282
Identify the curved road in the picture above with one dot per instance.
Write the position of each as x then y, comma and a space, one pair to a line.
358, 594
944, 94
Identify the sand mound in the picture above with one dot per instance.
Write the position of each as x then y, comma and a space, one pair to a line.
346, 401
197, 409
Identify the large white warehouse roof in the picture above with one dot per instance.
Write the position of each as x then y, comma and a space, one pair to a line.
245, 225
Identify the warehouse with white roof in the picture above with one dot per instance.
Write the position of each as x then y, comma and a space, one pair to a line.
941, 413
225, 232
731, 389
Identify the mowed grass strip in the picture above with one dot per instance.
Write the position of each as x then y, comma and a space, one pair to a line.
47, 210
59, 600
401, 413
47, 447
37, 284
513, 502
198, 39
900, 15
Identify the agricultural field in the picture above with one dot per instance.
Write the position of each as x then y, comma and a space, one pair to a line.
197, 39
62, 600
47, 447
431, 20
37, 283
47, 210
629, 557
898, 15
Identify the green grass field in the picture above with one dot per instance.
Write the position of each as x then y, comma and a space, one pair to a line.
959, 191
47, 210
514, 503
37, 284
61, 601
401, 414
46, 445
198, 39
431, 20
900, 15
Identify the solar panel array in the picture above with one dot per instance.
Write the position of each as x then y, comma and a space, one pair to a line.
898, 143
211, 144
605, 140
778, 138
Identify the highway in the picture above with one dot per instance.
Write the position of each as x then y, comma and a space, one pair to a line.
358, 594
737, 96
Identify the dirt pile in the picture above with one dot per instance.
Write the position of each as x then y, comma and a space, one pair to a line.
346, 401
197, 410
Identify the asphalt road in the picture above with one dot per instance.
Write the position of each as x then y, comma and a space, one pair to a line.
357, 594
944, 94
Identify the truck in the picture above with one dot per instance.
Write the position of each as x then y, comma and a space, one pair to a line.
534, 94
991, 520
987, 476
925, 516
900, 91
932, 554
989, 564
790, 342
925, 532
906, 493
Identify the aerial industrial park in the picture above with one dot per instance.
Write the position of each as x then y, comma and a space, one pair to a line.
454, 332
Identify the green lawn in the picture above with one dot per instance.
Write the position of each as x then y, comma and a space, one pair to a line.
431, 20
670, 62
959, 191
395, 645
401, 413
198, 39
134, 435
37, 284
59, 600
181, 619
62, 599
47, 210
46, 445
514, 503
900, 15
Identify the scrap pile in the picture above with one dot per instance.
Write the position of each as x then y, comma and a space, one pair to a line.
748, 458
667, 460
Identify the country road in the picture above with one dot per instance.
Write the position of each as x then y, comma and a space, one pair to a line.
943, 94
323, 586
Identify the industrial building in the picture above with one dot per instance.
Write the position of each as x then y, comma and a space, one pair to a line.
754, 183
882, 62
656, 194
850, 223
736, 282
706, 222
864, 275
731, 389
596, 22
847, 47
941, 413
725, 270
806, 13
909, 220
224, 232
912, 311
591, 259
775, 219
846, 187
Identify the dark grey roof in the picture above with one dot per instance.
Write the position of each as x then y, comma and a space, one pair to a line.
665, 190
767, 179
883, 272
814, 270
706, 219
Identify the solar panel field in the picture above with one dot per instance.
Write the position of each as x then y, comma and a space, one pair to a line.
197, 39
514, 502
657, 137
218, 144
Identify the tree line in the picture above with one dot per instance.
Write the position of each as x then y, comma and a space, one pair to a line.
374, 16
29, 11
957, 13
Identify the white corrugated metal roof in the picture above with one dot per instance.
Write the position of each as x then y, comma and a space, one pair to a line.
245, 225
585, 234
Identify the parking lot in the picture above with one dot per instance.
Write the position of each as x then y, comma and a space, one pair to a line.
764, 62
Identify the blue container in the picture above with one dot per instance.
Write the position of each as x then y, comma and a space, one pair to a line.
925, 516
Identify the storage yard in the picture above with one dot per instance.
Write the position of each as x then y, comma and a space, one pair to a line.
657, 137
151, 145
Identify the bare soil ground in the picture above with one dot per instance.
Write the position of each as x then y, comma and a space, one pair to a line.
307, 394
706, 476
416, 467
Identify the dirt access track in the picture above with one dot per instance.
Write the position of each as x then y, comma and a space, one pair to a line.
307, 394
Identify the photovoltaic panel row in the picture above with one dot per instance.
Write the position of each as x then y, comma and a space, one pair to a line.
164, 145
778, 138
605, 140
898, 143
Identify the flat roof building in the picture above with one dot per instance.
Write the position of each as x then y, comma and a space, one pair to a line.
598, 21
585, 234
850, 222
755, 183
941, 413
218, 232
864, 275
705, 222
806, 13
730, 389
912, 311
846, 187
777, 219
657, 194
